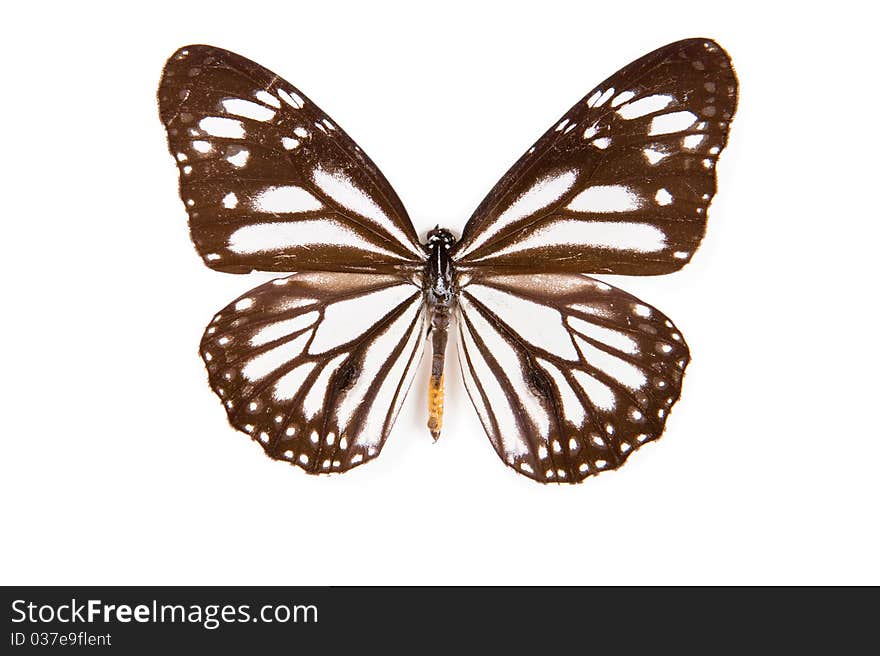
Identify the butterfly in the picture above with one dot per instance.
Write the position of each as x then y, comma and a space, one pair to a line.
568, 375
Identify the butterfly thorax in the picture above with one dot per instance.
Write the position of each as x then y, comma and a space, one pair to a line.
439, 270
440, 296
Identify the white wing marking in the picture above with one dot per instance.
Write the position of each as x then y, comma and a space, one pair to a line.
594, 310
644, 106
279, 236
672, 122
541, 194
571, 405
288, 199
622, 371
604, 97
290, 383
218, 126
369, 433
613, 235
663, 197
342, 190
541, 325
247, 109
265, 97
279, 329
291, 98
653, 156
621, 98
509, 363
513, 442
264, 364
605, 199
613, 338
314, 400
346, 320
599, 393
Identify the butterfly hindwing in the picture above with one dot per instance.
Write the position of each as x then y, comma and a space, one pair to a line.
270, 182
315, 366
621, 184
568, 375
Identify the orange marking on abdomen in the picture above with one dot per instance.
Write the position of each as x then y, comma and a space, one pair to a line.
435, 406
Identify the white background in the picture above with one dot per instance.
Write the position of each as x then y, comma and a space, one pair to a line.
118, 465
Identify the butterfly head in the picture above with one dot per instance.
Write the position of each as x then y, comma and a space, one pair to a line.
440, 236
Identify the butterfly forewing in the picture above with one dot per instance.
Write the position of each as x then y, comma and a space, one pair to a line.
270, 182
622, 182
315, 366
568, 375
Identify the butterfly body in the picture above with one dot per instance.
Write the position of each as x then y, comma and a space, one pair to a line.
569, 376
440, 298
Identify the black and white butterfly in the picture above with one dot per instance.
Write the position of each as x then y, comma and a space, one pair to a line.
568, 375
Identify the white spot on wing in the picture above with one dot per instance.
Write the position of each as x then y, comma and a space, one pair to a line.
247, 109
268, 98
621, 98
288, 199
653, 156
663, 197
605, 198
672, 122
643, 106
217, 126
238, 158
291, 98
604, 97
